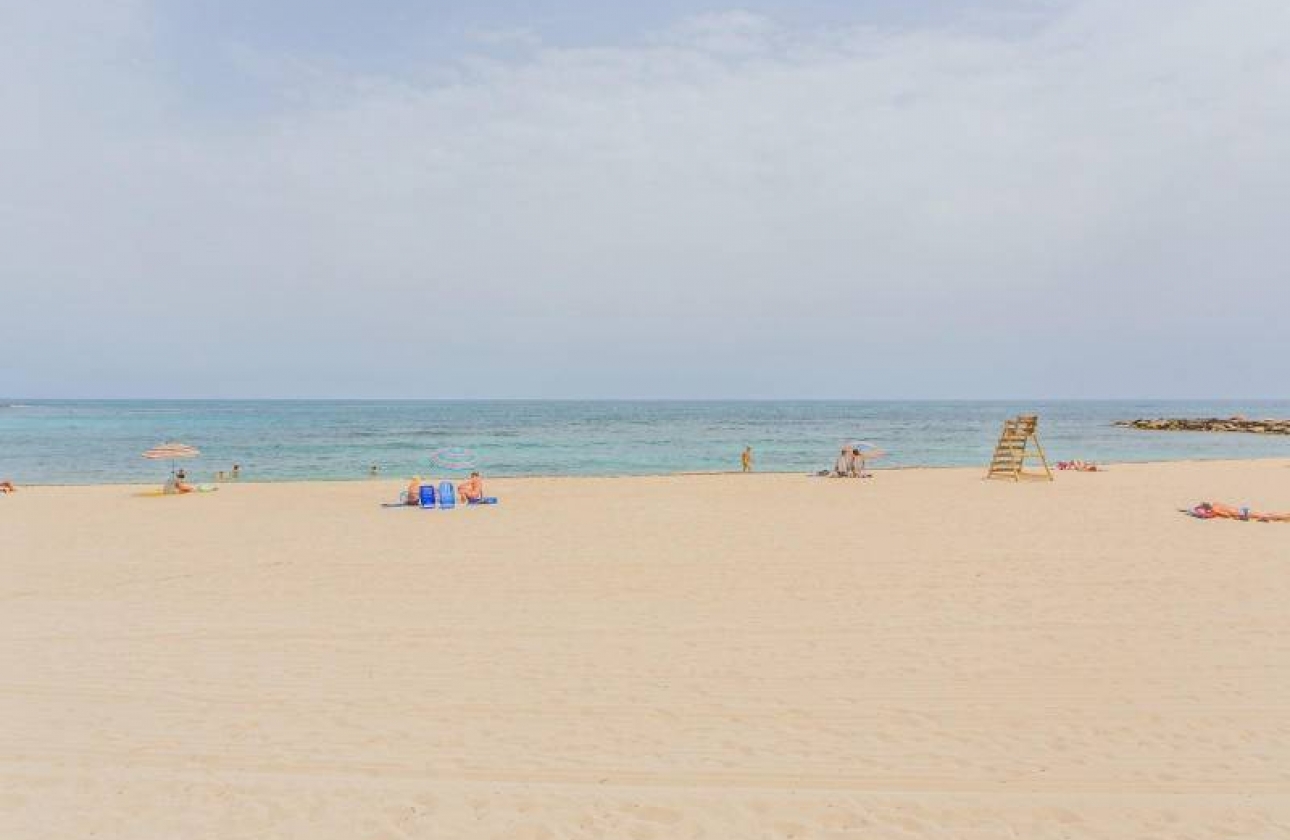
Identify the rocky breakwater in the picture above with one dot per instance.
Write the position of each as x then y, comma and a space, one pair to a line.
1209, 424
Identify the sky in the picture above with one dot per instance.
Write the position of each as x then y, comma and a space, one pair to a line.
680, 199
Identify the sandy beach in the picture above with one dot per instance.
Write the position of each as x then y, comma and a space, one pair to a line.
920, 655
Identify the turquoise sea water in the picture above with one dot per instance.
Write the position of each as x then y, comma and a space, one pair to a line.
101, 441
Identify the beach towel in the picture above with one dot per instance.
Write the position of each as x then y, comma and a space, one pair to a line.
157, 494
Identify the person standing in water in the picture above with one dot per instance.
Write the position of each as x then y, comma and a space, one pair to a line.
747, 459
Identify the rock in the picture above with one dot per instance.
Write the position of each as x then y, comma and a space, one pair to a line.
1236, 423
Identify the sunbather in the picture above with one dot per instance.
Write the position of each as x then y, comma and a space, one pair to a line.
7, 487
1078, 466
1216, 510
471, 491
412, 496
176, 484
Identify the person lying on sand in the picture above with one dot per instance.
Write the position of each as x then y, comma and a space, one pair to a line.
471, 491
7, 487
1216, 510
1078, 466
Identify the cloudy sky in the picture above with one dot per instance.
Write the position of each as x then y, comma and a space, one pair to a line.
829, 198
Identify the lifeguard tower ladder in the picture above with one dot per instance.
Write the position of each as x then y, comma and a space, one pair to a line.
1013, 450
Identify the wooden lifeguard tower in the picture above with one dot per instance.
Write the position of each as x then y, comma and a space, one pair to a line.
1014, 448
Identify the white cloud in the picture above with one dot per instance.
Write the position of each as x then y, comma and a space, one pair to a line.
731, 206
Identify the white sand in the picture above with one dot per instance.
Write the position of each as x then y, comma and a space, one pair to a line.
920, 655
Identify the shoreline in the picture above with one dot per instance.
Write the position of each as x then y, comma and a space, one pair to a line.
689, 473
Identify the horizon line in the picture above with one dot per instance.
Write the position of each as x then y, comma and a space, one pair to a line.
20, 400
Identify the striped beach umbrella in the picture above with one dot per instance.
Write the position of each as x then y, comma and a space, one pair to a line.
171, 452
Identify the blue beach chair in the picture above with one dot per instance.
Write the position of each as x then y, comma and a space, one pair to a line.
447, 496
427, 495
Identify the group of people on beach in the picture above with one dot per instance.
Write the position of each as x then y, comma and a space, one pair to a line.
849, 464
178, 481
470, 491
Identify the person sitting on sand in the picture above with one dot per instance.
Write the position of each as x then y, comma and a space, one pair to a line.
1217, 510
471, 491
177, 483
412, 496
7, 487
858, 464
844, 466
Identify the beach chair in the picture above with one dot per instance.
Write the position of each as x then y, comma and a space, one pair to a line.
1014, 448
447, 496
427, 495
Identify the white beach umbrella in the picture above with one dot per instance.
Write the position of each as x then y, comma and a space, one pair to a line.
868, 451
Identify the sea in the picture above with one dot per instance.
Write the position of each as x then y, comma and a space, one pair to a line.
96, 441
